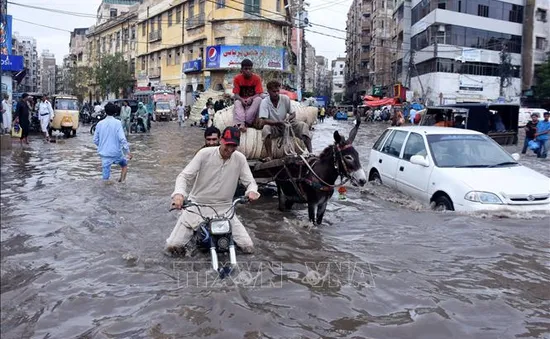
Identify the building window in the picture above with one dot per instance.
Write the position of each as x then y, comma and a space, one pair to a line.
251, 40
201, 7
541, 14
169, 18
341, 72
252, 6
178, 14
143, 28
442, 4
133, 33
191, 9
220, 41
278, 6
113, 12
152, 29
159, 22
220, 3
143, 63
178, 56
483, 10
540, 43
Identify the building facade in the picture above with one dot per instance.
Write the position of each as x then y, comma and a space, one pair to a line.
338, 80
381, 51
457, 50
310, 68
78, 49
47, 74
401, 42
26, 47
113, 9
322, 82
197, 45
536, 33
110, 38
358, 48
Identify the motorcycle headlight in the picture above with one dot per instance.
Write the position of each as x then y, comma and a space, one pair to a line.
220, 227
483, 197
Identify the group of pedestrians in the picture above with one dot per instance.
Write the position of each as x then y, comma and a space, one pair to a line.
537, 133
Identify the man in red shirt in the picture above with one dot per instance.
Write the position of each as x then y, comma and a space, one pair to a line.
247, 88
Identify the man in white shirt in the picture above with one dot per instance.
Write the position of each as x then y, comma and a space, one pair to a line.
6, 114
273, 112
211, 178
45, 114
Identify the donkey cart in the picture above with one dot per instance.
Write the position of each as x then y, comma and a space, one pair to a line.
311, 179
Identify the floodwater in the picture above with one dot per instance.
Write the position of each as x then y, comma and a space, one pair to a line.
83, 259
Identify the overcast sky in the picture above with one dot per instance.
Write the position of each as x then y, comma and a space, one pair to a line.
330, 13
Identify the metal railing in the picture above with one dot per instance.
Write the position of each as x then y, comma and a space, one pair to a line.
155, 35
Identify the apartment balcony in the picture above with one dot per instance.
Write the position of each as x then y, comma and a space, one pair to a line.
154, 72
195, 21
365, 25
398, 28
155, 35
365, 55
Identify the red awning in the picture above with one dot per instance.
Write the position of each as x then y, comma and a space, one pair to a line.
380, 102
291, 95
370, 98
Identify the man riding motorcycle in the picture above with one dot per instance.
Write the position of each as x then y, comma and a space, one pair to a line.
211, 178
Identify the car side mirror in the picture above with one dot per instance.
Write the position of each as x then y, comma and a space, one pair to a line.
516, 156
420, 160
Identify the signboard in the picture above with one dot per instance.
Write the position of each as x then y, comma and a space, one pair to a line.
377, 91
12, 62
471, 55
223, 56
192, 66
5, 35
468, 84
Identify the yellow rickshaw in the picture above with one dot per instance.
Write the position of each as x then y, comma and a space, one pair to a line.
66, 114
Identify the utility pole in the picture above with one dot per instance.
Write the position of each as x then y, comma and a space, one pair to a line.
299, 26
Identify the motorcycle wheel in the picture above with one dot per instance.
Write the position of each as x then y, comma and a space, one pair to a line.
92, 129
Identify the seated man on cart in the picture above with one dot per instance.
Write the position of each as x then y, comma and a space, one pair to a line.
275, 112
247, 90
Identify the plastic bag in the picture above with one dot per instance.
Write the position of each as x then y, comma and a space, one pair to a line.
533, 145
16, 131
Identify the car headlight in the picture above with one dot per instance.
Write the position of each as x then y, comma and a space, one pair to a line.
483, 197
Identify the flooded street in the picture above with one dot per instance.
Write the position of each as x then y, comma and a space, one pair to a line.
84, 259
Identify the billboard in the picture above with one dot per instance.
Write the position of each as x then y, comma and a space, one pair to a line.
11, 62
5, 35
263, 57
192, 66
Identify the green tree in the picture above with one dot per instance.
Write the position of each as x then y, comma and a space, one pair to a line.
542, 77
77, 80
113, 74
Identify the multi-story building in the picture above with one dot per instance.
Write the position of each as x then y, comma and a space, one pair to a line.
46, 78
456, 49
358, 48
78, 47
536, 33
338, 84
401, 41
112, 9
59, 80
381, 51
199, 44
26, 47
310, 66
109, 38
322, 83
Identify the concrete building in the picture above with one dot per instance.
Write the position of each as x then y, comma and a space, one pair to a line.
109, 38
338, 79
60, 80
458, 47
310, 67
358, 49
381, 51
111, 9
47, 74
322, 72
78, 49
401, 42
26, 47
536, 33
197, 45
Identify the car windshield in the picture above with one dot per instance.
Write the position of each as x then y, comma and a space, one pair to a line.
467, 150
163, 105
66, 104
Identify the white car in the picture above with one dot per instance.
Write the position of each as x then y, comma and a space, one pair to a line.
456, 169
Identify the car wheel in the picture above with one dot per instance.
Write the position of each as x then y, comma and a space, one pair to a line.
375, 178
442, 203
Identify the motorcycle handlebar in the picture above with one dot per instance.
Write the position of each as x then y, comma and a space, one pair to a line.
188, 203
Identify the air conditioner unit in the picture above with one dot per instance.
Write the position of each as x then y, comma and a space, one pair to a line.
441, 28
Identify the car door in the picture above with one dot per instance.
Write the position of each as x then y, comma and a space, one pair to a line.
413, 179
389, 157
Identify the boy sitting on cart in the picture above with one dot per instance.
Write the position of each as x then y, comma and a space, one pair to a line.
275, 112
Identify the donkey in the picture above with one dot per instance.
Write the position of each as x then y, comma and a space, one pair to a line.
317, 185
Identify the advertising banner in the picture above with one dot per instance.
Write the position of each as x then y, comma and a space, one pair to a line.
224, 56
192, 66
11, 62
5, 35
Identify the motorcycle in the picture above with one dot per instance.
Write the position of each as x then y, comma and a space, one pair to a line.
137, 125
215, 234
97, 119
85, 116
35, 123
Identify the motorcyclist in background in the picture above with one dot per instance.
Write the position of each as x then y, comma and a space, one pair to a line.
144, 115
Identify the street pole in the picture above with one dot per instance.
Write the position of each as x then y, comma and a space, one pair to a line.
299, 51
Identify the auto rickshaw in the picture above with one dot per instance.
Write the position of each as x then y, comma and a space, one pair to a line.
66, 112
